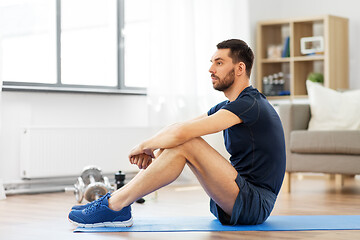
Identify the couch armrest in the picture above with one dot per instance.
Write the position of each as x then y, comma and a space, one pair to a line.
293, 117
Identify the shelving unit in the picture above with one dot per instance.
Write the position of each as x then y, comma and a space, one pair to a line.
333, 63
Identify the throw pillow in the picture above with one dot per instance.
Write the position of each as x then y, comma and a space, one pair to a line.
333, 110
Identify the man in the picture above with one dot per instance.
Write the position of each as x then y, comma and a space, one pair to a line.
242, 191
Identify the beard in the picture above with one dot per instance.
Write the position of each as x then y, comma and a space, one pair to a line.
224, 83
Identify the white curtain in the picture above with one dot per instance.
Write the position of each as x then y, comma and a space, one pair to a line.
2, 191
184, 34
1, 84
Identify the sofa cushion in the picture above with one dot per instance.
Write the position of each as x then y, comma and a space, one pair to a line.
333, 110
331, 142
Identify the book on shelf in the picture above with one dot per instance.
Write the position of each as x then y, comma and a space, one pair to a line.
286, 49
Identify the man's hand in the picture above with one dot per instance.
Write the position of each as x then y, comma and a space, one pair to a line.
141, 157
141, 160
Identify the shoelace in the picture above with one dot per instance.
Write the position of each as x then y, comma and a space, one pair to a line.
92, 208
95, 205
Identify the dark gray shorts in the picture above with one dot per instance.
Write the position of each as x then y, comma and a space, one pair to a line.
253, 205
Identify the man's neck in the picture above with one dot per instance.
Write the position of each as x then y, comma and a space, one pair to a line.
235, 89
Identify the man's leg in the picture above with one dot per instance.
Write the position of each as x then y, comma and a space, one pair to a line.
213, 171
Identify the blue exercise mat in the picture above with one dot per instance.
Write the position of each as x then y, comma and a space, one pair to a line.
205, 224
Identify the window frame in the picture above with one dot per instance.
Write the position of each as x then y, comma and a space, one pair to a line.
120, 88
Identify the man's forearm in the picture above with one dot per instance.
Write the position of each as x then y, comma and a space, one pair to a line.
168, 137
171, 136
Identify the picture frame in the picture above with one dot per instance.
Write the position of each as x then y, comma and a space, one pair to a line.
311, 45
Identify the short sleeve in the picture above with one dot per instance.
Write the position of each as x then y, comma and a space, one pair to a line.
216, 108
246, 108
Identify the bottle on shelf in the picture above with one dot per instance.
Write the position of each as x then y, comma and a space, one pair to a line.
274, 84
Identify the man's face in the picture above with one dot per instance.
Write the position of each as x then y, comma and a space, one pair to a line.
222, 70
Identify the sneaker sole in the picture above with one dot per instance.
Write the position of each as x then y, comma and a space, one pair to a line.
127, 223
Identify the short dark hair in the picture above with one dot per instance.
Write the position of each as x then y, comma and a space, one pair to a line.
239, 52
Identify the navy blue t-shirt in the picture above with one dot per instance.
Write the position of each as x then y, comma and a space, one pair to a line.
257, 145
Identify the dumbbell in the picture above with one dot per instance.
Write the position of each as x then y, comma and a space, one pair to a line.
91, 184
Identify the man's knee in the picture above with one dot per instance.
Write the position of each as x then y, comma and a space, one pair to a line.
185, 148
191, 145
190, 149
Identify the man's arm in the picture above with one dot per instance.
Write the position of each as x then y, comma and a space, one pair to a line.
180, 133
200, 117
144, 160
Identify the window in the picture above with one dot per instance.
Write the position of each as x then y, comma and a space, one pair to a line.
88, 42
67, 45
28, 41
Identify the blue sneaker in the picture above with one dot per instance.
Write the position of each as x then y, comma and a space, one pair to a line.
100, 215
81, 207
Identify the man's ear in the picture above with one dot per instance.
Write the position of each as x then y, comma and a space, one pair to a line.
240, 68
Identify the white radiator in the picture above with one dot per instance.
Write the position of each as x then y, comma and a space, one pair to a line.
65, 151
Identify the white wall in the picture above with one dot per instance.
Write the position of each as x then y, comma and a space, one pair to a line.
21, 109
273, 9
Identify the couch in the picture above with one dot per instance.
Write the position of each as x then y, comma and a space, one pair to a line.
332, 152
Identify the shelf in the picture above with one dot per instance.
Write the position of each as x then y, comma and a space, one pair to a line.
289, 59
309, 58
295, 19
333, 62
300, 96
277, 97
275, 60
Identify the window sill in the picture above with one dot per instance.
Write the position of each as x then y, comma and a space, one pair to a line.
92, 90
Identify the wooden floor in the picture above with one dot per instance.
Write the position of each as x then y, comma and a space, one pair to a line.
44, 216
